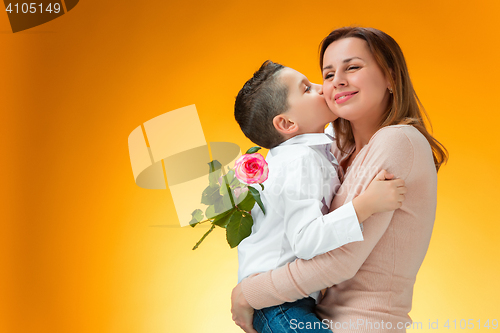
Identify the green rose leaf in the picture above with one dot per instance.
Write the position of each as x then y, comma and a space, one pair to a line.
247, 203
220, 206
214, 166
210, 212
224, 188
235, 183
222, 220
215, 171
230, 176
216, 209
210, 195
253, 150
197, 217
256, 196
227, 197
239, 227
226, 200
228, 194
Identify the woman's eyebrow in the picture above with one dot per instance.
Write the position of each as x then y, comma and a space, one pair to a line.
344, 61
327, 67
349, 59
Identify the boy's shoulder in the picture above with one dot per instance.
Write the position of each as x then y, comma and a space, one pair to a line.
293, 155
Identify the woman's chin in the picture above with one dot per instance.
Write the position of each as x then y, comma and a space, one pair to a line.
346, 116
335, 114
339, 112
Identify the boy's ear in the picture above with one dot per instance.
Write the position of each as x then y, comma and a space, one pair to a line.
284, 125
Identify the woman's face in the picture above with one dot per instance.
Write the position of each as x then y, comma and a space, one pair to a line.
354, 86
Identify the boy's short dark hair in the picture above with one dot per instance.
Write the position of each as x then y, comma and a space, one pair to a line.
262, 98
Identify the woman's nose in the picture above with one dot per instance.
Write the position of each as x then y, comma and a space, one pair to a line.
339, 81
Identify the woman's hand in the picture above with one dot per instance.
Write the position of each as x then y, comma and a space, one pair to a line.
382, 195
241, 310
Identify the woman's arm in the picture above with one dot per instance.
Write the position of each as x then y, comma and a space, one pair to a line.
300, 278
390, 149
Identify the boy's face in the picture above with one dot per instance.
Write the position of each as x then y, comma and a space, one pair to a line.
307, 106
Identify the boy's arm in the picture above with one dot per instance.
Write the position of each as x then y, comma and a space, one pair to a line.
309, 232
380, 196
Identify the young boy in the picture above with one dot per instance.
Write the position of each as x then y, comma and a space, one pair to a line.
279, 109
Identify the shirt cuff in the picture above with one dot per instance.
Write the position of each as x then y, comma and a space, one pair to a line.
346, 224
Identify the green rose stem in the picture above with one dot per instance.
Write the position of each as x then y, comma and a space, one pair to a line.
205, 235
228, 188
212, 219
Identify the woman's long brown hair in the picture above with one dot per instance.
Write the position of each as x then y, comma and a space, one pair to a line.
404, 106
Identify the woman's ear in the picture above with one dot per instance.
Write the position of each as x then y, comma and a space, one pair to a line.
284, 125
389, 85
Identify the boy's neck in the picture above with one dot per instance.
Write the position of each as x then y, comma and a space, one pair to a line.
299, 132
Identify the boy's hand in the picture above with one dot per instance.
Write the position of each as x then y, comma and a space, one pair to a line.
382, 195
241, 310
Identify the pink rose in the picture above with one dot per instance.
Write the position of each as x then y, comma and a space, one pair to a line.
251, 168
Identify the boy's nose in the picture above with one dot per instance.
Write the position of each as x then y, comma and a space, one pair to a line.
318, 88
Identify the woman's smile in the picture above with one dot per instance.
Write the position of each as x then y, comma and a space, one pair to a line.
345, 96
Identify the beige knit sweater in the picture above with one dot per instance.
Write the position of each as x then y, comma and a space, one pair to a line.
370, 282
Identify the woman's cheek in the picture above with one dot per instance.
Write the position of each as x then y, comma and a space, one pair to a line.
331, 105
327, 89
333, 108
327, 95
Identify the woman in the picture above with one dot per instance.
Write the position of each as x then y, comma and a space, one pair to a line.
370, 283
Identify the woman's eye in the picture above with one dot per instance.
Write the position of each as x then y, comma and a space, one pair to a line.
328, 76
352, 67
308, 88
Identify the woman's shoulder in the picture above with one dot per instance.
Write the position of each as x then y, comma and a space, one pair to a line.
403, 146
398, 135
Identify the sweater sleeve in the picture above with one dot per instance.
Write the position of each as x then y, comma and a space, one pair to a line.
389, 149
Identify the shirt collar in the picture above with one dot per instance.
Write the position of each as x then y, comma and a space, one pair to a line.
308, 139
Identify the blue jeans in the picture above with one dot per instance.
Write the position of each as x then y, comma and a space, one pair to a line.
296, 317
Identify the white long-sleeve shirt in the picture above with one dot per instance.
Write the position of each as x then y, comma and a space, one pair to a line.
297, 194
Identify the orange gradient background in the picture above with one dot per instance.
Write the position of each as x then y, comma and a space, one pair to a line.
84, 249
